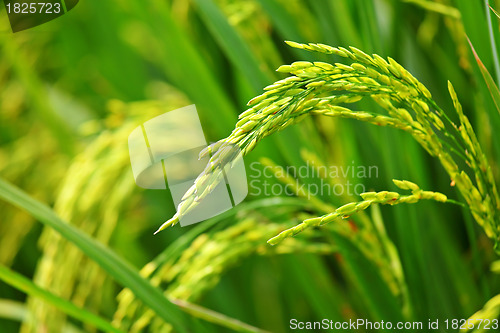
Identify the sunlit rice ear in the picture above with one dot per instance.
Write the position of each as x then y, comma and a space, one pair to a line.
318, 88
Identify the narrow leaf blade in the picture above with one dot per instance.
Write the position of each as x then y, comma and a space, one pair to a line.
19, 282
492, 87
494, 11
116, 267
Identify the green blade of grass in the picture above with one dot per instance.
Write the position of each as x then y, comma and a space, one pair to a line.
437, 8
369, 26
20, 282
12, 310
309, 274
17, 312
234, 46
174, 250
492, 41
282, 19
116, 267
345, 24
236, 49
215, 317
191, 72
492, 87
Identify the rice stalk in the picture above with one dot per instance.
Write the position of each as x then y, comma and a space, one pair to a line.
369, 198
437, 8
16, 164
483, 319
288, 180
81, 201
319, 88
494, 49
369, 235
85, 199
201, 265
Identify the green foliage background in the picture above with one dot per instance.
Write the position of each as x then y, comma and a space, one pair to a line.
74, 88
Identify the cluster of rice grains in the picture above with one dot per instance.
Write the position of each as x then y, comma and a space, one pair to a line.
195, 264
96, 193
369, 198
321, 89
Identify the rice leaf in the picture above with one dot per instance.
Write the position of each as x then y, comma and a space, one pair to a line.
23, 284
232, 43
492, 87
493, 44
437, 8
494, 11
117, 267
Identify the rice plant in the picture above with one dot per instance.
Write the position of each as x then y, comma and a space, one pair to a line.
418, 244
319, 88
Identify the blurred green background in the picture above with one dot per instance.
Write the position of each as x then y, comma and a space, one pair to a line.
74, 88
